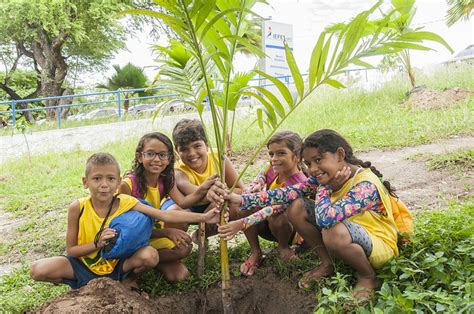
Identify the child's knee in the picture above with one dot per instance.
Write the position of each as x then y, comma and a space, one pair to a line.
336, 237
295, 210
36, 271
277, 222
149, 257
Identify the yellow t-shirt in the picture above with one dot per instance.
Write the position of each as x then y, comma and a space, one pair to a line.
197, 178
89, 225
154, 198
381, 228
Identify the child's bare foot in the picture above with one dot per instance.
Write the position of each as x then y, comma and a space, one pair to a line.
251, 264
287, 254
362, 293
323, 270
365, 287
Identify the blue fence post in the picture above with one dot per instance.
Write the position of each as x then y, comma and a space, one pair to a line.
287, 80
118, 104
58, 112
13, 113
134, 104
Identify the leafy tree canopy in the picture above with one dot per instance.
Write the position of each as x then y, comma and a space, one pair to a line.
51, 36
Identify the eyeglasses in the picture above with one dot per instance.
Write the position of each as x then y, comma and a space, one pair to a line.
150, 155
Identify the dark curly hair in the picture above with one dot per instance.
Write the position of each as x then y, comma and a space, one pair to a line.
167, 176
187, 131
329, 141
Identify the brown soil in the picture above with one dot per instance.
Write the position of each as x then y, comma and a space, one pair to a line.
99, 296
423, 98
266, 294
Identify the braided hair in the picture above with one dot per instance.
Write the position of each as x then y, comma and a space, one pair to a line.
327, 140
167, 175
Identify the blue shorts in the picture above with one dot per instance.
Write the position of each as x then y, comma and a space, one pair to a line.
83, 274
167, 204
195, 209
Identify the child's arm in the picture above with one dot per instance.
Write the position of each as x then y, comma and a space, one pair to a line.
195, 197
183, 183
72, 248
362, 197
228, 230
178, 216
231, 176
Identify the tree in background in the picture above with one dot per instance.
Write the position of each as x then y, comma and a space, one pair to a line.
459, 9
47, 36
128, 77
400, 22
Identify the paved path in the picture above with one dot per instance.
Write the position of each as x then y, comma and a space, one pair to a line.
86, 137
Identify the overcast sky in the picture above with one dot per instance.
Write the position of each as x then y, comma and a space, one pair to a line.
310, 17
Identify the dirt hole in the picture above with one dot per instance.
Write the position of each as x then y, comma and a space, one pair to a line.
259, 294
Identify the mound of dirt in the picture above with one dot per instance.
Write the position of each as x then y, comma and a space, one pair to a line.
101, 295
259, 294
423, 98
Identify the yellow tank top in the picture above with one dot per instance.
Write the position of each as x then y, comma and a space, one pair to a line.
297, 239
153, 197
381, 226
152, 194
197, 178
89, 225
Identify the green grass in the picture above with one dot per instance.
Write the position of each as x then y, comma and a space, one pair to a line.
376, 119
461, 161
40, 193
432, 274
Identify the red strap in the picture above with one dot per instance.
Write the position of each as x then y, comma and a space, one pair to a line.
136, 192
270, 176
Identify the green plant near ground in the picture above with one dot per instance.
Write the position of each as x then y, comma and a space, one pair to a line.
461, 161
432, 274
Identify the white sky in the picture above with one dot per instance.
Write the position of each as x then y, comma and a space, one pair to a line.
310, 17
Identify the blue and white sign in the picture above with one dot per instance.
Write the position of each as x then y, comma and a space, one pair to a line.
274, 36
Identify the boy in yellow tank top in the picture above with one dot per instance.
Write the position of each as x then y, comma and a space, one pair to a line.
197, 163
86, 216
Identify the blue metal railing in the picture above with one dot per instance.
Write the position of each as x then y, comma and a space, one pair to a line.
117, 95
117, 98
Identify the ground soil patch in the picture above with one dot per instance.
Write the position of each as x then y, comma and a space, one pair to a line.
264, 293
423, 98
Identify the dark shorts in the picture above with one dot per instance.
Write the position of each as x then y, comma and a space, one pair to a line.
195, 209
358, 233
199, 208
83, 274
263, 229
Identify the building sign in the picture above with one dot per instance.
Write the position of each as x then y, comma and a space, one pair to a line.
274, 36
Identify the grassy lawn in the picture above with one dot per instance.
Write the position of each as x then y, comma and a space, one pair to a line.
432, 274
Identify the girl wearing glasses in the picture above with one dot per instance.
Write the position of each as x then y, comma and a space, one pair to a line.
152, 179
